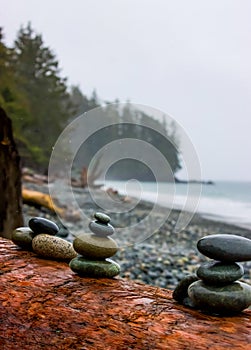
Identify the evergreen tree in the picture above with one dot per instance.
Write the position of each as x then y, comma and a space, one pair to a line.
38, 78
80, 103
13, 100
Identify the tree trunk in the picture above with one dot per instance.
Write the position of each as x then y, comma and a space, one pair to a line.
10, 179
44, 305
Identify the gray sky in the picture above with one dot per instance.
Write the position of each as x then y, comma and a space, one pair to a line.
191, 59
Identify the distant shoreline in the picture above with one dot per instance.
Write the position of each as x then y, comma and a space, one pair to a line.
222, 202
209, 221
200, 182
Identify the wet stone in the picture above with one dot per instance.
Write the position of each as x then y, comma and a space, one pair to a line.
217, 273
23, 236
52, 247
180, 293
42, 225
103, 218
225, 247
63, 232
94, 268
220, 300
100, 229
94, 247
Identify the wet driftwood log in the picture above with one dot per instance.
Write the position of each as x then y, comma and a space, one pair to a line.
10, 179
40, 199
44, 305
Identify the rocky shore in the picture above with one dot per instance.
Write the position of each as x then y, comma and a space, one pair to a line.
160, 260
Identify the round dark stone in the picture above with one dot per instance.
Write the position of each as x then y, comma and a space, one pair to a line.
225, 247
101, 217
221, 300
216, 272
63, 232
180, 292
94, 268
42, 225
100, 229
23, 236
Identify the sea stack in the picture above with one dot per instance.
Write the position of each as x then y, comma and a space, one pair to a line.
95, 250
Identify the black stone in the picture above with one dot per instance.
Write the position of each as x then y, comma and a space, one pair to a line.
180, 293
42, 225
217, 273
225, 247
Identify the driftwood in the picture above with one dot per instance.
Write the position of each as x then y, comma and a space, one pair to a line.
40, 199
44, 305
10, 179
35, 178
82, 182
89, 176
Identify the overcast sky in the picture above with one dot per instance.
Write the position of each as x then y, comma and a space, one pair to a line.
191, 59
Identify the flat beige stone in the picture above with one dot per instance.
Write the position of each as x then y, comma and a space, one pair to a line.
95, 247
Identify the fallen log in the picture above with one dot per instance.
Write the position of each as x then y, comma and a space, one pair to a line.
44, 305
41, 199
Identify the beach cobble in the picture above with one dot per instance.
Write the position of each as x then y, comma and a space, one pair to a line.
161, 260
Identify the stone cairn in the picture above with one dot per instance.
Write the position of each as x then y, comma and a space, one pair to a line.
95, 249
40, 238
215, 289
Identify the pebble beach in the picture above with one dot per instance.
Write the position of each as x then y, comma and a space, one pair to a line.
162, 259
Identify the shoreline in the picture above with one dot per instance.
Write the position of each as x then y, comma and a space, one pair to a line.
214, 203
209, 220
162, 259
218, 218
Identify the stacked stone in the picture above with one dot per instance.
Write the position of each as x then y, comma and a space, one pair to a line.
218, 291
40, 238
215, 288
95, 249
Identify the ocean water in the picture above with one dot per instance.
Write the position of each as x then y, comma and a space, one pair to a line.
224, 201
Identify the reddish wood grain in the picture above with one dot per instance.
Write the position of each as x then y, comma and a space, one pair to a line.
44, 305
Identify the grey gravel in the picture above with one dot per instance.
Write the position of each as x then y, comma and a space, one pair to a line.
161, 260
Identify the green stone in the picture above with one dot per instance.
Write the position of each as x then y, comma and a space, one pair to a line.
101, 217
23, 236
221, 300
180, 292
216, 272
94, 268
94, 247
